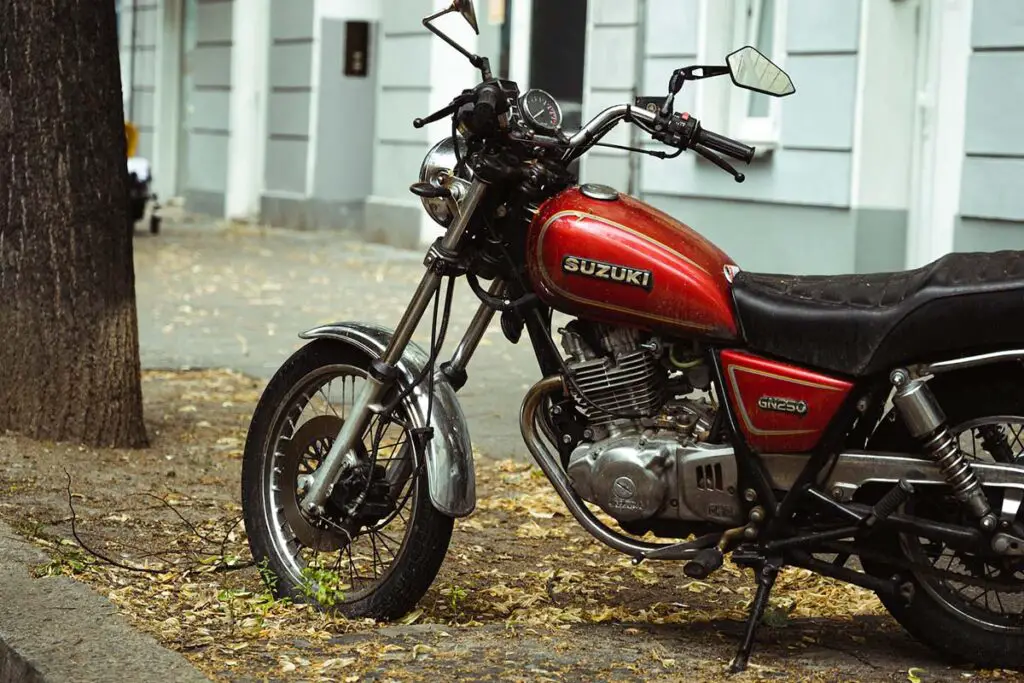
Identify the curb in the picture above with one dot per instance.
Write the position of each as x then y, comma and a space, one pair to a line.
55, 629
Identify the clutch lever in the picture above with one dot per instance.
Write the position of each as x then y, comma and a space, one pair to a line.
718, 161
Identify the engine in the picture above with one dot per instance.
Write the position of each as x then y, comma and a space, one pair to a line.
643, 456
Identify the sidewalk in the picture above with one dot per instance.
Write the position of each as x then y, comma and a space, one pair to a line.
237, 297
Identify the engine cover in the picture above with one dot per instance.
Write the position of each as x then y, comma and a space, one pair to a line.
633, 478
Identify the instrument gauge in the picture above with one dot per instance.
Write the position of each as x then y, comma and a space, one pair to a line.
541, 111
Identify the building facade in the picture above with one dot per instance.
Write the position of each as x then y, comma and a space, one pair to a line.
899, 145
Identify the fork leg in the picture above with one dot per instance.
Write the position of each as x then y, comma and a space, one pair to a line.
766, 575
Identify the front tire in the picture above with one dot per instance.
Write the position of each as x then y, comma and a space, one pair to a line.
940, 616
287, 440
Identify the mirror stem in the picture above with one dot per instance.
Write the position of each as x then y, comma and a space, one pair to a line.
666, 109
477, 61
430, 27
484, 65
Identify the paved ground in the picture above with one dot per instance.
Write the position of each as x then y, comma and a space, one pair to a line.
56, 629
236, 297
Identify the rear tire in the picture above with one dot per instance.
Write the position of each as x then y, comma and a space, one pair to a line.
427, 533
964, 396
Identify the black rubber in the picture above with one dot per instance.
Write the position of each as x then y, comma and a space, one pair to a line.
968, 395
425, 546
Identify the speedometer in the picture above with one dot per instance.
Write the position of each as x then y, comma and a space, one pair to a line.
541, 111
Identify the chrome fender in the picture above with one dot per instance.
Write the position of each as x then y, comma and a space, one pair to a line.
449, 455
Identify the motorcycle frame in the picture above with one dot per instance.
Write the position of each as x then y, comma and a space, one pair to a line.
852, 424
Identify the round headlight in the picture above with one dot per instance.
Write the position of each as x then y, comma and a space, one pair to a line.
438, 169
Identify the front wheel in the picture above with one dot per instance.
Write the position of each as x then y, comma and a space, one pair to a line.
977, 613
380, 542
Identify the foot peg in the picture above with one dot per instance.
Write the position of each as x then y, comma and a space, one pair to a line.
703, 563
890, 502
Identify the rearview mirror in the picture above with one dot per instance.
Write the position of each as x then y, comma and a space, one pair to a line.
468, 12
752, 70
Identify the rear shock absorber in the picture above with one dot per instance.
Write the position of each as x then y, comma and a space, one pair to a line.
926, 421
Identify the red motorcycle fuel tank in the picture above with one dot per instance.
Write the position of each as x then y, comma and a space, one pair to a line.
618, 260
780, 408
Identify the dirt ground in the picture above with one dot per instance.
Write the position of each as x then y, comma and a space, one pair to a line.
523, 595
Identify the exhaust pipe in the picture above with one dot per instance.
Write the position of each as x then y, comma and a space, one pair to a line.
529, 419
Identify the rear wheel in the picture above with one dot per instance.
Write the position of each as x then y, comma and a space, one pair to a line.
979, 615
381, 542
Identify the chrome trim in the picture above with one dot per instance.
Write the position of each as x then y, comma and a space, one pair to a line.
449, 455
970, 362
600, 125
857, 468
552, 468
327, 474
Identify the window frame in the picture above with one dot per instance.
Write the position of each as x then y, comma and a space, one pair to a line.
761, 131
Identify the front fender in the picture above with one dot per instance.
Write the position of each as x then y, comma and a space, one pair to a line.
449, 455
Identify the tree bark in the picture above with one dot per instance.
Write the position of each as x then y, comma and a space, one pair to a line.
69, 349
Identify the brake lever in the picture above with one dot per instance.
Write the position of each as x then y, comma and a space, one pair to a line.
443, 113
718, 161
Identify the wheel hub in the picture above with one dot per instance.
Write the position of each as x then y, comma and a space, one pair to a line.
351, 505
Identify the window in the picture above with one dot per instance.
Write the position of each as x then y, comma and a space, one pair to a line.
753, 117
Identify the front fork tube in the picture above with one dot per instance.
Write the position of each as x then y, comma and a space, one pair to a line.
454, 371
382, 376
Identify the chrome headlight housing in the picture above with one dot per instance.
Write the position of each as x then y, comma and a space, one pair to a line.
438, 169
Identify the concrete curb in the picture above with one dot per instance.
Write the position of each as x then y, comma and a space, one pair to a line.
55, 629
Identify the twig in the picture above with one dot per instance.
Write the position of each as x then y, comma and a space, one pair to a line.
74, 532
224, 567
180, 516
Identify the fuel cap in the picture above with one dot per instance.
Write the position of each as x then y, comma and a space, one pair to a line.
602, 192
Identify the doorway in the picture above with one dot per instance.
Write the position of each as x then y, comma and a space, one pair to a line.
558, 52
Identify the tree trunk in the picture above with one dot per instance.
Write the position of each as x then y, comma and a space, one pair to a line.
69, 348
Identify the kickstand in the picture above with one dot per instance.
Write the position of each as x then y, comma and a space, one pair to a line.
766, 574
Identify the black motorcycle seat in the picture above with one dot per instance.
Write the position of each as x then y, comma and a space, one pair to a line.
858, 325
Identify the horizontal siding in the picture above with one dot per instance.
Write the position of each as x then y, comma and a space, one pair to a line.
213, 22
403, 92
992, 188
997, 23
789, 176
288, 114
812, 164
210, 110
995, 99
139, 70
828, 27
290, 68
396, 108
775, 238
208, 125
207, 161
820, 114
610, 79
993, 170
671, 28
286, 165
291, 19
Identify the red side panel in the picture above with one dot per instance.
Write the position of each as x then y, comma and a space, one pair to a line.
780, 408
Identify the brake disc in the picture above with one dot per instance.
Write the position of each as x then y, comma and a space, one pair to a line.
308, 445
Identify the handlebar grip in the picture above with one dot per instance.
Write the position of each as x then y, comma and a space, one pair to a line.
727, 146
486, 109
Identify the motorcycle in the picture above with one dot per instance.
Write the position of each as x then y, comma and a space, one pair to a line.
860, 426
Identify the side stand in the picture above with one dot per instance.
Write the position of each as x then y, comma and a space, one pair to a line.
767, 571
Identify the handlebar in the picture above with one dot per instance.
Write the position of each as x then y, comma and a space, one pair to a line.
598, 126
